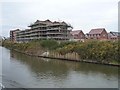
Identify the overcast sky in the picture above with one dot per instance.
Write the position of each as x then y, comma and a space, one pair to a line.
81, 14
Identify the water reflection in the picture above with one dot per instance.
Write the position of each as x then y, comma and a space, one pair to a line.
38, 72
59, 68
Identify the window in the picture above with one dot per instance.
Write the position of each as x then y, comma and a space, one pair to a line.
104, 35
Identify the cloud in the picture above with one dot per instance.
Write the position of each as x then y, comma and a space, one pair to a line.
82, 14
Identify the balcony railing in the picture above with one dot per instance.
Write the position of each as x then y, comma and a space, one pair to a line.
58, 37
55, 33
53, 28
38, 26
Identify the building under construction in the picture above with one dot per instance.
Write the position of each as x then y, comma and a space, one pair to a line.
45, 30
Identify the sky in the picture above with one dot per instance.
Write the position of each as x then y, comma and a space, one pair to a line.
81, 14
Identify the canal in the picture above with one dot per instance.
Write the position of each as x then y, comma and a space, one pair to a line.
22, 71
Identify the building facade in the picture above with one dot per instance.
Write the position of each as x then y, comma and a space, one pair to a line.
45, 30
13, 35
114, 36
1, 39
98, 34
77, 35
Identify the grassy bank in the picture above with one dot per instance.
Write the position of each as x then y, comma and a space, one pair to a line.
96, 51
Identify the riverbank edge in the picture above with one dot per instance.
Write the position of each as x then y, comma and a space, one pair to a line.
85, 61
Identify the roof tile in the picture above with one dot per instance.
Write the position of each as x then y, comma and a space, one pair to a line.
96, 31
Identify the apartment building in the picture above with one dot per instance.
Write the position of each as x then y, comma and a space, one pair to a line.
98, 33
13, 35
45, 30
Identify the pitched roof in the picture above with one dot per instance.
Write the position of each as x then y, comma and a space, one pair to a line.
115, 33
43, 22
96, 31
75, 32
110, 35
50, 22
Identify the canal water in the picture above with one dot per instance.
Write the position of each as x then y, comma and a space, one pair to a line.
22, 71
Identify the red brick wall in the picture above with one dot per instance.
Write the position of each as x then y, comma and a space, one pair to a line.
81, 35
104, 35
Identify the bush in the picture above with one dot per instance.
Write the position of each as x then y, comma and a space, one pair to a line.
100, 51
49, 44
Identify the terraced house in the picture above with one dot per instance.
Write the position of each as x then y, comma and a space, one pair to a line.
45, 30
114, 36
77, 35
98, 34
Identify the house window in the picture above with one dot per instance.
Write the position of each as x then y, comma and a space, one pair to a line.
104, 35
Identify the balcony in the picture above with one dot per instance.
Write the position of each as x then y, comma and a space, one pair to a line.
54, 33
38, 26
57, 37
36, 31
58, 28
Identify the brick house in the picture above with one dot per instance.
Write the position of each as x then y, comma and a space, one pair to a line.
99, 34
77, 35
114, 36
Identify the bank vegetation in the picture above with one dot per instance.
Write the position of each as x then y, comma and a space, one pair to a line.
91, 51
